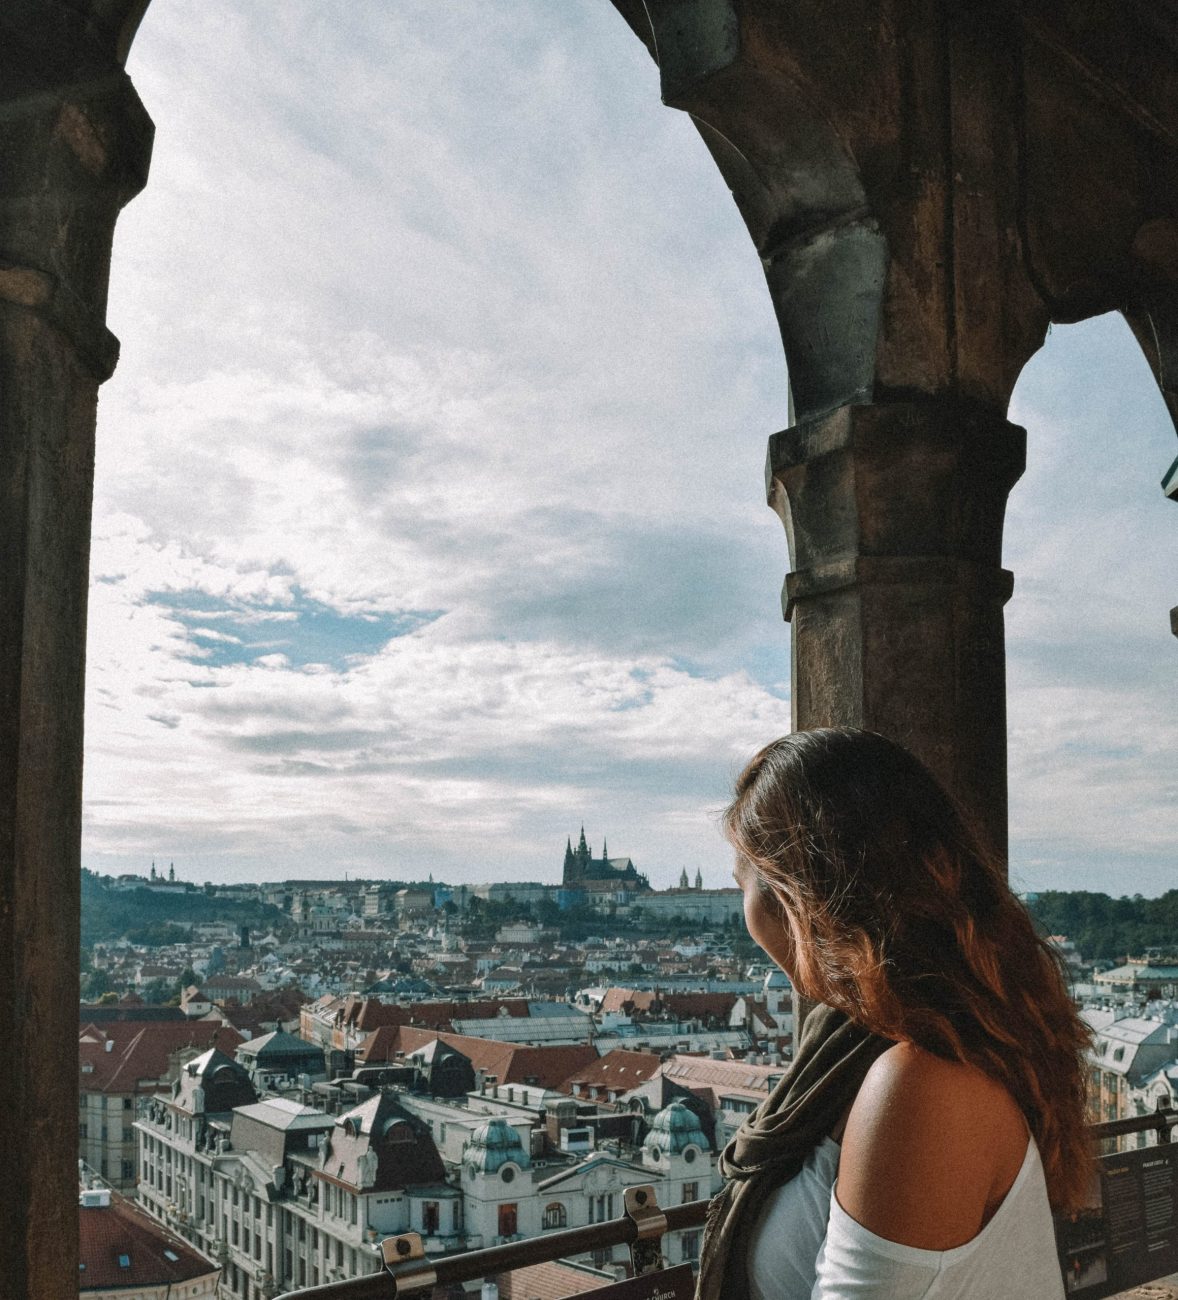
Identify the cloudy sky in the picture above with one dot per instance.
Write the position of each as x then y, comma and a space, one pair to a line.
429, 519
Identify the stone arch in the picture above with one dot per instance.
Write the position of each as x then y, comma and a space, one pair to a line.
920, 231
892, 484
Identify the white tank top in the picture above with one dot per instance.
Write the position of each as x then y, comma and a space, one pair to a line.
805, 1246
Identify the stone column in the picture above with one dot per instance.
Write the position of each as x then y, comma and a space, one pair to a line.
70, 156
894, 518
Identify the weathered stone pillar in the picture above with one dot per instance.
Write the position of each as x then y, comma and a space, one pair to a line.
894, 518
71, 154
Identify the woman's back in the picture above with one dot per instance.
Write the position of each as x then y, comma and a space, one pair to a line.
936, 1191
805, 1246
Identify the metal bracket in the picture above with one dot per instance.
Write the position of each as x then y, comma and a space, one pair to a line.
1166, 1122
404, 1258
642, 1208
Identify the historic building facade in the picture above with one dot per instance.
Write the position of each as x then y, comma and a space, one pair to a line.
282, 1195
581, 870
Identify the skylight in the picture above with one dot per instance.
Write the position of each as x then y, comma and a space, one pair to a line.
124, 1261
171, 1254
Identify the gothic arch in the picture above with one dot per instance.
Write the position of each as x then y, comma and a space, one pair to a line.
875, 153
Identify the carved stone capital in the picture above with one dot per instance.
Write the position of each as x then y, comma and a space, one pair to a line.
903, 492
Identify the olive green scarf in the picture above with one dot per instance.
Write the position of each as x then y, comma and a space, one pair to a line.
771, 1146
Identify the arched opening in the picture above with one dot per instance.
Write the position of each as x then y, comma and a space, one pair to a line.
1090, 538
428, 508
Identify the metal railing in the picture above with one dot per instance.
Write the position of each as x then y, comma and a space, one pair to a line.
409, 1272
1161, 1121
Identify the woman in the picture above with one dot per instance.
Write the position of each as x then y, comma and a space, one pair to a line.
934, 1111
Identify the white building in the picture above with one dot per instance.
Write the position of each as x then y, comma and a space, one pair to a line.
284, 1196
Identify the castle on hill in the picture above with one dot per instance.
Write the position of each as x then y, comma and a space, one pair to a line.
583, 871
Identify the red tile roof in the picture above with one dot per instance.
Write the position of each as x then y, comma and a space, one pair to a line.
119, 1231
723, 1078
552, 1281
619, 1070
139, 1051
370, 1013
549, 1066
701, 1005
627, 1001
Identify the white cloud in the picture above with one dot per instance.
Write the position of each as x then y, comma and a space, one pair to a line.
449, 321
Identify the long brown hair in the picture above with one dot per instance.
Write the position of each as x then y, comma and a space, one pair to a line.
898, 918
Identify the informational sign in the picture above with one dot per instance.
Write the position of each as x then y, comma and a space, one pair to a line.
676, 1283
1127, 1232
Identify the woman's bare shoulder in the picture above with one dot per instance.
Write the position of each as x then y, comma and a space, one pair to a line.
930, 1148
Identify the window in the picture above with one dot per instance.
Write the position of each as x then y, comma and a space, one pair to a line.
601, 1208
555, 1215
430, 1216
690, 1192
689, 1247
508, 1220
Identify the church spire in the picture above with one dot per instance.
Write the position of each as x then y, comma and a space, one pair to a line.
569, 875
604, 850
699, 878
683, 879
583, 848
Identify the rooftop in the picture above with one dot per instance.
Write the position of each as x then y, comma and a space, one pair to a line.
120, 1246
280, 1113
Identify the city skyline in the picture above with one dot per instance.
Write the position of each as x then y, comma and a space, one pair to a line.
428, 512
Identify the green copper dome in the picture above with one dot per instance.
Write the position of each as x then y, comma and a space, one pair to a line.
675, 1128
493, 1145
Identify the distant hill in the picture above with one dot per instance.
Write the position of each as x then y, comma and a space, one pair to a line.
109, 914
1105, 928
